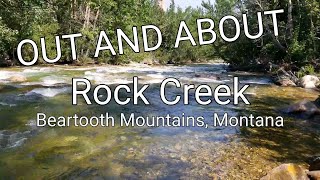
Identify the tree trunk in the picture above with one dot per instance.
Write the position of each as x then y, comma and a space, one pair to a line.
86, 17
290, 22
273, 37
96, 19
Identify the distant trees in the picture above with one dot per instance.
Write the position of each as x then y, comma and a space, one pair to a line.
33, 19
297, 45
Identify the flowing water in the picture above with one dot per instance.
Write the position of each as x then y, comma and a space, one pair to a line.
31, 152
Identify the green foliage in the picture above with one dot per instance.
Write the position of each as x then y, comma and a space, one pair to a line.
297, 45
298, 52
298, 41
306, 70
7, 40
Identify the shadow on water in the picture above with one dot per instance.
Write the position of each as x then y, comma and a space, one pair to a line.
295, 142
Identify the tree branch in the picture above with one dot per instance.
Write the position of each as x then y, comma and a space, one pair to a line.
274, 38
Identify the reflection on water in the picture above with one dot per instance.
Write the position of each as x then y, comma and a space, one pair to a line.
147, 153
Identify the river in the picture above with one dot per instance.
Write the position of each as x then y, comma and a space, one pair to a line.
30, 152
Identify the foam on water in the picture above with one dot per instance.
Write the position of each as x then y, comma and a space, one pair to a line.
103, 78
12, 139
40, 70
80, 69
32, 70
93, 76
204, 80
90, 73
156, 76
53, 80
18, 143
260, 81
142, 68
48, 92
31, 123
6, 74
6, 104
152, 81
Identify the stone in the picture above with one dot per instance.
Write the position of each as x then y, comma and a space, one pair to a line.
287, 172
285, 79
314, 163
285, 83
305, 108
309, 82
18, 78
314, 175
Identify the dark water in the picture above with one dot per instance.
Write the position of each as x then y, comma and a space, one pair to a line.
30, 152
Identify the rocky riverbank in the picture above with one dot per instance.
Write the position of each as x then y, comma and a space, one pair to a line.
288, 79
305, 109
296, 172
309, 110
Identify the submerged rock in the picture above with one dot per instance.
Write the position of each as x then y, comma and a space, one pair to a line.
18, 78
305, 108
287, 172
309, 82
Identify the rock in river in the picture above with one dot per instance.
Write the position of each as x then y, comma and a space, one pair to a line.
309, 82
306, 108
285, 82
285, 79
314, 175
18, 78
287, 172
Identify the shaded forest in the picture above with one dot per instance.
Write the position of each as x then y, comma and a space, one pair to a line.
296, 48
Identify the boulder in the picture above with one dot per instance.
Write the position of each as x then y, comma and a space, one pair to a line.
314, 175
285, 79
18, 78
305, 108
285, 83
314, 163
287, 172
309, 82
